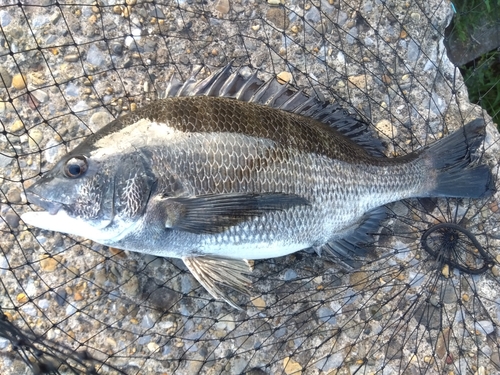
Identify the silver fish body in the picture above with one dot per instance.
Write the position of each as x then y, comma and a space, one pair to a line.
203, 178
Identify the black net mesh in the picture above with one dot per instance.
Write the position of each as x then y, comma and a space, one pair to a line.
427, 299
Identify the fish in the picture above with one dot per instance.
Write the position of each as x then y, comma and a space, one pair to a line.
230, 168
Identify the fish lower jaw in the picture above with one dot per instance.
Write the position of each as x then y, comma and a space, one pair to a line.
49, 206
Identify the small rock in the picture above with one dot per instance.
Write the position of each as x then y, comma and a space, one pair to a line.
72, 57
60, 296
55, 17
292, 367
14, 195
6, 79
313, 15
327, 315
35, 137
19, 82
290, 275
494, 206
386, 128
40, 95
95, 56
284, 77
48, 264
153, 347
5, 18
446, 271
117, 49
278, 17
358, 280
12, 220
256, 27
16, 126
4, 161
131, 287
222, 7
99, 119
484, 327
22, 298
259, 303
415, 17
361, 81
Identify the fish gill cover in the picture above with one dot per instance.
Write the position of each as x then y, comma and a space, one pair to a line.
425, 301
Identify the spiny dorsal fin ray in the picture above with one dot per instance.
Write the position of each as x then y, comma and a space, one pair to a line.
213, 272
233, 83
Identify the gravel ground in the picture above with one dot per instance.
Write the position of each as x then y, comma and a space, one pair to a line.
66, 70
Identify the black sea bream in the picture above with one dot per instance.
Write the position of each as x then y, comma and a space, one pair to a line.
232, 168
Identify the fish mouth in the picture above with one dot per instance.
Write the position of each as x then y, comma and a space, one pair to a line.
50, 206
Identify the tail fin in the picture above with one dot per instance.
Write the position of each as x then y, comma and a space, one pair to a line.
453, 160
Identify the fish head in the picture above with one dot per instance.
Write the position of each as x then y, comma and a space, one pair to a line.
97, 195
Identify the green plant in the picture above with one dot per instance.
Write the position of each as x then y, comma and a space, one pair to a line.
482, 78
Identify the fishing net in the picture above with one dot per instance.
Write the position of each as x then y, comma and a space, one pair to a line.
426, 300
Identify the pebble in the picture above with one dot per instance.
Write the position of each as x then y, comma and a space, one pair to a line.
284, 77
413, 51
292, 367
446, 271
494, 206
40, 95
35, 137
256, 27
484, 327
5, 18
361, 81
290, 275
278, 17
131, 287
19, 82
327, 315
48, 264
95, 56
385, 127
495, 270
22, 298
60, 296
14, 195
99, 119
153, 347
358, 280
12, 220
415, 17
4, 161
222, 7
72, 57
6, 77
259, 303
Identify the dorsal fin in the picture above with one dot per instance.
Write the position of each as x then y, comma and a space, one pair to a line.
230, 82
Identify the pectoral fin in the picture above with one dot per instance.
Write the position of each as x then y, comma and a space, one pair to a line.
215, 213
212, 272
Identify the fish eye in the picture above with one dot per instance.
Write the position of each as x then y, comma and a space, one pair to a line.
75, 167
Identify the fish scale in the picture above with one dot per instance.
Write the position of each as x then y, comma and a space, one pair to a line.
216, 181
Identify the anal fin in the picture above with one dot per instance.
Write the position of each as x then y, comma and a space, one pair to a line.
353, 246
213, 272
